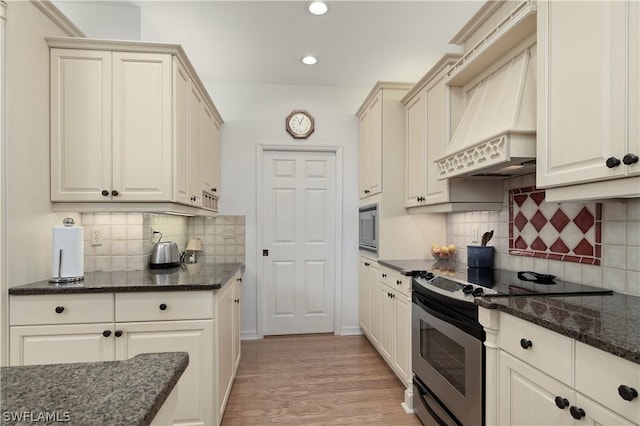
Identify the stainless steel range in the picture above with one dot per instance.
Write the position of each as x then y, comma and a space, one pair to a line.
448, 355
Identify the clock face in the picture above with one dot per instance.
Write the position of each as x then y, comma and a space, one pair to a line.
300, 124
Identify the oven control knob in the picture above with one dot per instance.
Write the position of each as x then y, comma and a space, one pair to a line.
467, 289
478, 291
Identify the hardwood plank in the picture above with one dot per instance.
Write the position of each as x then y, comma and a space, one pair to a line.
315, 380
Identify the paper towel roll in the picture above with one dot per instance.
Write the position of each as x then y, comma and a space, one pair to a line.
68, 241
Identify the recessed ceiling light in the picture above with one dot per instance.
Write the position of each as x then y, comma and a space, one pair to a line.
309, 60
318, 8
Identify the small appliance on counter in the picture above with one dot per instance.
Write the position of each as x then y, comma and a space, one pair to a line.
164, 254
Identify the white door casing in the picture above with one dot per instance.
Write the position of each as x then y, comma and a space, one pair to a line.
298, 222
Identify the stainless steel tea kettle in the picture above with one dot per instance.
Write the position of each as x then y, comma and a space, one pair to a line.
164, 254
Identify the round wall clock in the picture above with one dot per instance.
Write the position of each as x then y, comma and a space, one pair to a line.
300, 124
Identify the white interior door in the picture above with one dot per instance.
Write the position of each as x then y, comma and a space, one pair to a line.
298, 230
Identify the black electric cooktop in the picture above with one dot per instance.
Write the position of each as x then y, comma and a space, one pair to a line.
487, 282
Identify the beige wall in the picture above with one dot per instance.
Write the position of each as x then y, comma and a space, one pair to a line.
29, 218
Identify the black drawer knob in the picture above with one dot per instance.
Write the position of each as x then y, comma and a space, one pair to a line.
630, 159
577, 413
114, 193
366, 191
118, 333
612, 162
399, 282
561, 402
239, 280
384, 275
627, 393
59, 309
104, 192
526, 344
106, 333
214, 189
163, 306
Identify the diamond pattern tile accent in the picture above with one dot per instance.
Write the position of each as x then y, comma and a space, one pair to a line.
570, 232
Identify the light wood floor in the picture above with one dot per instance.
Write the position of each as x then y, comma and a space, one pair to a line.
315, 380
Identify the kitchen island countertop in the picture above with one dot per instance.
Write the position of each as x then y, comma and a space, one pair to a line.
187, 277
127, 392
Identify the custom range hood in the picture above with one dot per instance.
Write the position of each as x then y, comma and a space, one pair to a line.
496, 80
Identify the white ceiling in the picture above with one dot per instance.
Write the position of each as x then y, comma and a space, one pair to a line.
357, 42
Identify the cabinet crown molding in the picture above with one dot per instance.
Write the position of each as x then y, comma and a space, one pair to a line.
382, 85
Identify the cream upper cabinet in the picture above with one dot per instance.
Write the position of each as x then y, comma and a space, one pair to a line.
371, 148
588, 95
429, 116
130, 122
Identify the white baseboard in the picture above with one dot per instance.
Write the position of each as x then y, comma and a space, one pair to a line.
350, 331
249, 335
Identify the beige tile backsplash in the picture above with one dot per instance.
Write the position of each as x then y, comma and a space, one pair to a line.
620, 268
128, 238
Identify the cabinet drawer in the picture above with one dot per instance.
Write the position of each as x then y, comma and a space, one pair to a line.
60, 309
599, 375
395, 280
549, 352
160, 306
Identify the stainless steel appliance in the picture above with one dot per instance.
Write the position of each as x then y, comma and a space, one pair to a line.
448, 355
164, 254
369, 228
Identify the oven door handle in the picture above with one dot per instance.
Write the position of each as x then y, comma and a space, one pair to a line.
422, 392
470, 327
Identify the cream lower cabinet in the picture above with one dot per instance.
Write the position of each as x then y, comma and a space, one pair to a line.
538, 377
47, 329
385, 317
588, 99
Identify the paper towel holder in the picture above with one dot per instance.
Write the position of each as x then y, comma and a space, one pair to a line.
67, 222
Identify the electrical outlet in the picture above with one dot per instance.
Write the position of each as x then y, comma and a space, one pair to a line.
474, 234
96, 236
228, 232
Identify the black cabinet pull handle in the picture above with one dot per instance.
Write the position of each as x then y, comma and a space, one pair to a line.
366, 191
239, 279
104, 192
612, 162
106, 333
561, 402
366, 264
577, 413
526, 344
163, 306
214, 189
630, 159
59, 309
384, 275
627, 393
398, 282
114, 193
118, 333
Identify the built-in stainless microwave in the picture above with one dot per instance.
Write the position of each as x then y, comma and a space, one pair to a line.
369, 228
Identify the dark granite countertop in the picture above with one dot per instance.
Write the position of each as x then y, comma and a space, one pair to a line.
408, 266
610, 323
187, 277
128, 392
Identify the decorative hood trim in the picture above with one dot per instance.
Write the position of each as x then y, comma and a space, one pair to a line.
496, 135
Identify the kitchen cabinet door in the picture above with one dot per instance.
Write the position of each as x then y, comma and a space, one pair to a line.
61, 344
210, 153
195, 388
388, 323
402, 359
181, 88
80, 125
375, 304
142, 126
224, 344
237, 317
416, 146
364, 294
195, 146
364, 147
371, 148
527, 396
587, 91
